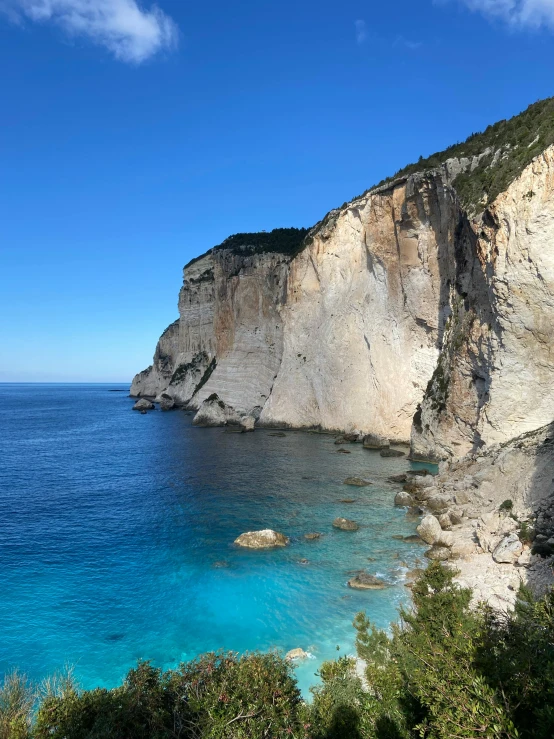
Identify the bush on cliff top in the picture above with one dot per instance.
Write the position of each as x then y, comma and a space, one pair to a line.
444, 672
519, 139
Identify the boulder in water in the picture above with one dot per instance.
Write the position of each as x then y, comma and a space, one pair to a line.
247, 423
357, 482
214, 412
365, 581
312, 535
345, 524
264, 539
374, 441
403, 499
143, 405
166, 402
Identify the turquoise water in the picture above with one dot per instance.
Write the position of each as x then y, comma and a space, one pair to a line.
113, 527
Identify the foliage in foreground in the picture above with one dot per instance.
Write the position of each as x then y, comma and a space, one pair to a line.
444, 672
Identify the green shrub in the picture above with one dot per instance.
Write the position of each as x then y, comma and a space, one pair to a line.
17, 698
507, 505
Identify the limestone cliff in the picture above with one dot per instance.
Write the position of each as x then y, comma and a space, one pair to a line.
423, 307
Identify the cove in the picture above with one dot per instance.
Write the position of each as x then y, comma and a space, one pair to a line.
117, 530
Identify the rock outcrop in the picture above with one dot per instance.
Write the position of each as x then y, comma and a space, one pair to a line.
421, 310
264, 539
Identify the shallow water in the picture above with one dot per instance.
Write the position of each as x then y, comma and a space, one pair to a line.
117, 529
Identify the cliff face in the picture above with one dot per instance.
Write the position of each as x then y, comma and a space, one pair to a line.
495, 376
423, 308
229, 338
364, 312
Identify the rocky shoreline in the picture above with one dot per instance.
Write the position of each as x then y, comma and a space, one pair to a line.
490, 516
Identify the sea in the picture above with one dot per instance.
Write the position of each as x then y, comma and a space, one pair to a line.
117, 531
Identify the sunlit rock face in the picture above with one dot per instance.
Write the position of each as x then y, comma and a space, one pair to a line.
494, 379
365, 311
400, 316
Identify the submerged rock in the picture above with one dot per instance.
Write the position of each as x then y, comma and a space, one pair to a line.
392, 453
279, 434
143, 405
343, 451
357, 482
347, 500
398, 478
312, 535
345, 524
365, 581
264, 539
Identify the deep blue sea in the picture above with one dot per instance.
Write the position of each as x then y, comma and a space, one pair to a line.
114, 526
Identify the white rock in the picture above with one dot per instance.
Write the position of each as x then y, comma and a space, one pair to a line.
508, 550
429, 529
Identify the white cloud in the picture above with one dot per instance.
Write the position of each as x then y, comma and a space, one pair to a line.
361, 31
406, 43
516, 13
130, 32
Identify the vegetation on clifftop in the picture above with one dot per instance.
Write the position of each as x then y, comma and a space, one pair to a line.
513, 143
445, 672
280, 240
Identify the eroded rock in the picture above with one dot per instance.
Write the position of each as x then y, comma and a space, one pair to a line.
345, 524
264, 539
365, 581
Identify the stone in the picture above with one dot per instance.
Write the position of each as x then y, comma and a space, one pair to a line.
461, 549
343, 451
429, 529
374, 441
414, 539
403, 499
143, 413
462, 497
508, 550
166, 402
143, 405
392, 453
437, 502
247, 423
264, 539
214, 412
438, 553
296, 654
445, 522
345, 524
312, 535
456, 517
398, 478
365, 581
357, 482
351, 438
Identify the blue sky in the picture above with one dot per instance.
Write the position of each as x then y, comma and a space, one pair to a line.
134, 138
